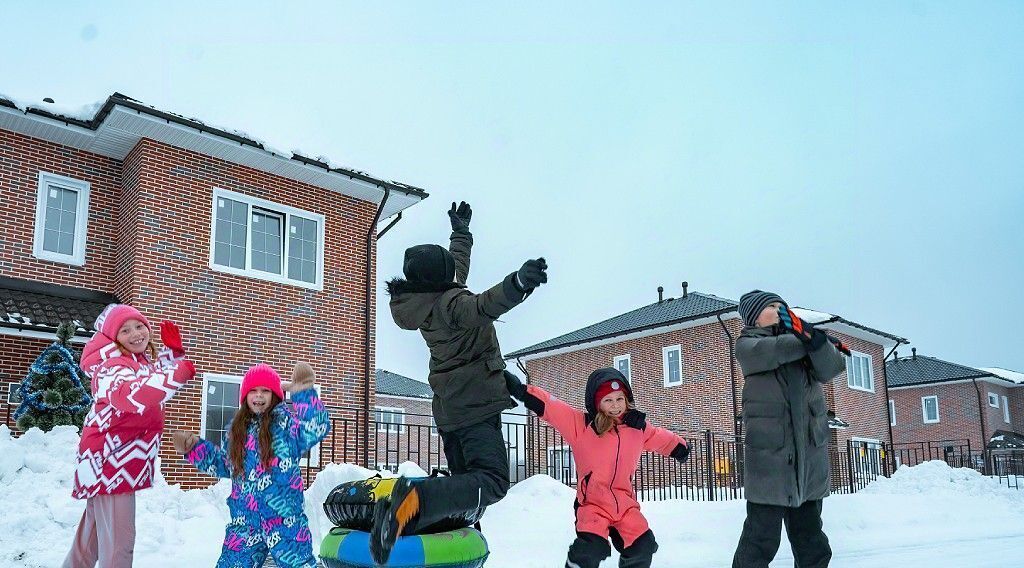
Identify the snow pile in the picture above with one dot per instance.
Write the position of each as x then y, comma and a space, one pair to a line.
896, 521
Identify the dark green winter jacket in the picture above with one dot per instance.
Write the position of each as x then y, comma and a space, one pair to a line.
465, 359
785, 419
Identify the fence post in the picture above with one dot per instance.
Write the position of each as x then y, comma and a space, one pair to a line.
849, 463
709, 455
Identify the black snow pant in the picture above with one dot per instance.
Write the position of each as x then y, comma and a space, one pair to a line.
762, 533
588, 550
478, 461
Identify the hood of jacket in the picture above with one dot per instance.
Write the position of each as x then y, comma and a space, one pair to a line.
598, 378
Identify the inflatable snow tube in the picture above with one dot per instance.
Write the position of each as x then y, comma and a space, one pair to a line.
350, 505
461, 548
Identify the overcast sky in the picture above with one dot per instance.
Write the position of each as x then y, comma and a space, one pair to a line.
861, 159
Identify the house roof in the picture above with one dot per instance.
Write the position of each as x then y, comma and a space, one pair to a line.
921, 370
114, 127
671, 311
1005, 373
393, 384
27, 305
1006, 440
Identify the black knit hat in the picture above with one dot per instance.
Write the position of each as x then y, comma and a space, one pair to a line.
428, 264
753, 302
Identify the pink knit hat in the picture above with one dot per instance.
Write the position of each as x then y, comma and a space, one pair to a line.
261, 375
113, 317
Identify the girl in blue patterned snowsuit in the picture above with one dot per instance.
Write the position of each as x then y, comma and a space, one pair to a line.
261, 457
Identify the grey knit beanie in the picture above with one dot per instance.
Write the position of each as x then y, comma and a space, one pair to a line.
753, 302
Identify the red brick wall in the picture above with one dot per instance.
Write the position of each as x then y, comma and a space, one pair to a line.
958, 414
867, 412
21, 160
415, 443
16, 355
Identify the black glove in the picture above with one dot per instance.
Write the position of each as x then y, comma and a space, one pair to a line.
681, 453
515, 387
532, 274
812, 338
634, 419
460, 217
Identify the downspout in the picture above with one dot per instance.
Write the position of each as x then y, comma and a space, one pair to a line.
371, 236
737, 424
888, 417
981, 416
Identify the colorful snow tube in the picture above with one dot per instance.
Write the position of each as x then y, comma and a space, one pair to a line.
461, 548
350, 505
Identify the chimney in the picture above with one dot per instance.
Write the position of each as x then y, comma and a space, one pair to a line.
914, 351
685, 285
661, 294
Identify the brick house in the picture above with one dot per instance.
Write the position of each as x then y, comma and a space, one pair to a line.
404, 424
255, 252
940, 401
678, 356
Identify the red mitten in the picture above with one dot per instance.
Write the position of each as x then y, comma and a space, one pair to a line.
171, 336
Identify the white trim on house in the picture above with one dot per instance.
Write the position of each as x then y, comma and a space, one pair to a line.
991, 380
851, 363
287, 212
628, 336
47, 183
629, 366
39, 335
1006, 410
924, 410
892, 412
993, 399
124, 127
388, 426
666, 369
397, 397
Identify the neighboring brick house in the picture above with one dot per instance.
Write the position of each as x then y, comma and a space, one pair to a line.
404, 423
259, 255
939, 401
678, 355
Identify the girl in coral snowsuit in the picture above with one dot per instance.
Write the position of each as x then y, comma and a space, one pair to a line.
261, 456
607, 441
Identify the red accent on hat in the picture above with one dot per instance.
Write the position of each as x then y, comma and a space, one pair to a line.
260, 376
606, 388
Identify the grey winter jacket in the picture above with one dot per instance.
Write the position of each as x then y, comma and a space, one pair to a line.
785, 417
465, 359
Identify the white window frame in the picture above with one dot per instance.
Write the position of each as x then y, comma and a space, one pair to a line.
665, 365
433, 426
565, 457
924, 410
629, 362
892, 412
287, 213
390, 427
77, 256
12, 389
993, 399
314, 452
871, 371
1006, 410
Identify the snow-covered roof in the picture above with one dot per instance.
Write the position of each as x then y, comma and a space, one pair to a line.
113, 127
1006, 374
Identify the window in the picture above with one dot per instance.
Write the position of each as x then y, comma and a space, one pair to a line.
433, 426
867, 457
260, 239
560, 464
622, 363
930, 409
220, 403
892, 413
672, 362
62, 210
1006, 410
859, 372
13, 397
390, 420
993, 400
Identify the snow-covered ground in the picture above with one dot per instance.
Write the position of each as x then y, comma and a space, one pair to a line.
930, 515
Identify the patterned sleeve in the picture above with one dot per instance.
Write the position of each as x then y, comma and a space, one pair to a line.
312, 420
209, 459
135, 392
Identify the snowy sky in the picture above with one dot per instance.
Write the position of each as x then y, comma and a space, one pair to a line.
858, 160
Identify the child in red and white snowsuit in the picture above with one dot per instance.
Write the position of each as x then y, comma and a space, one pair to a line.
607, 441
121, 435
